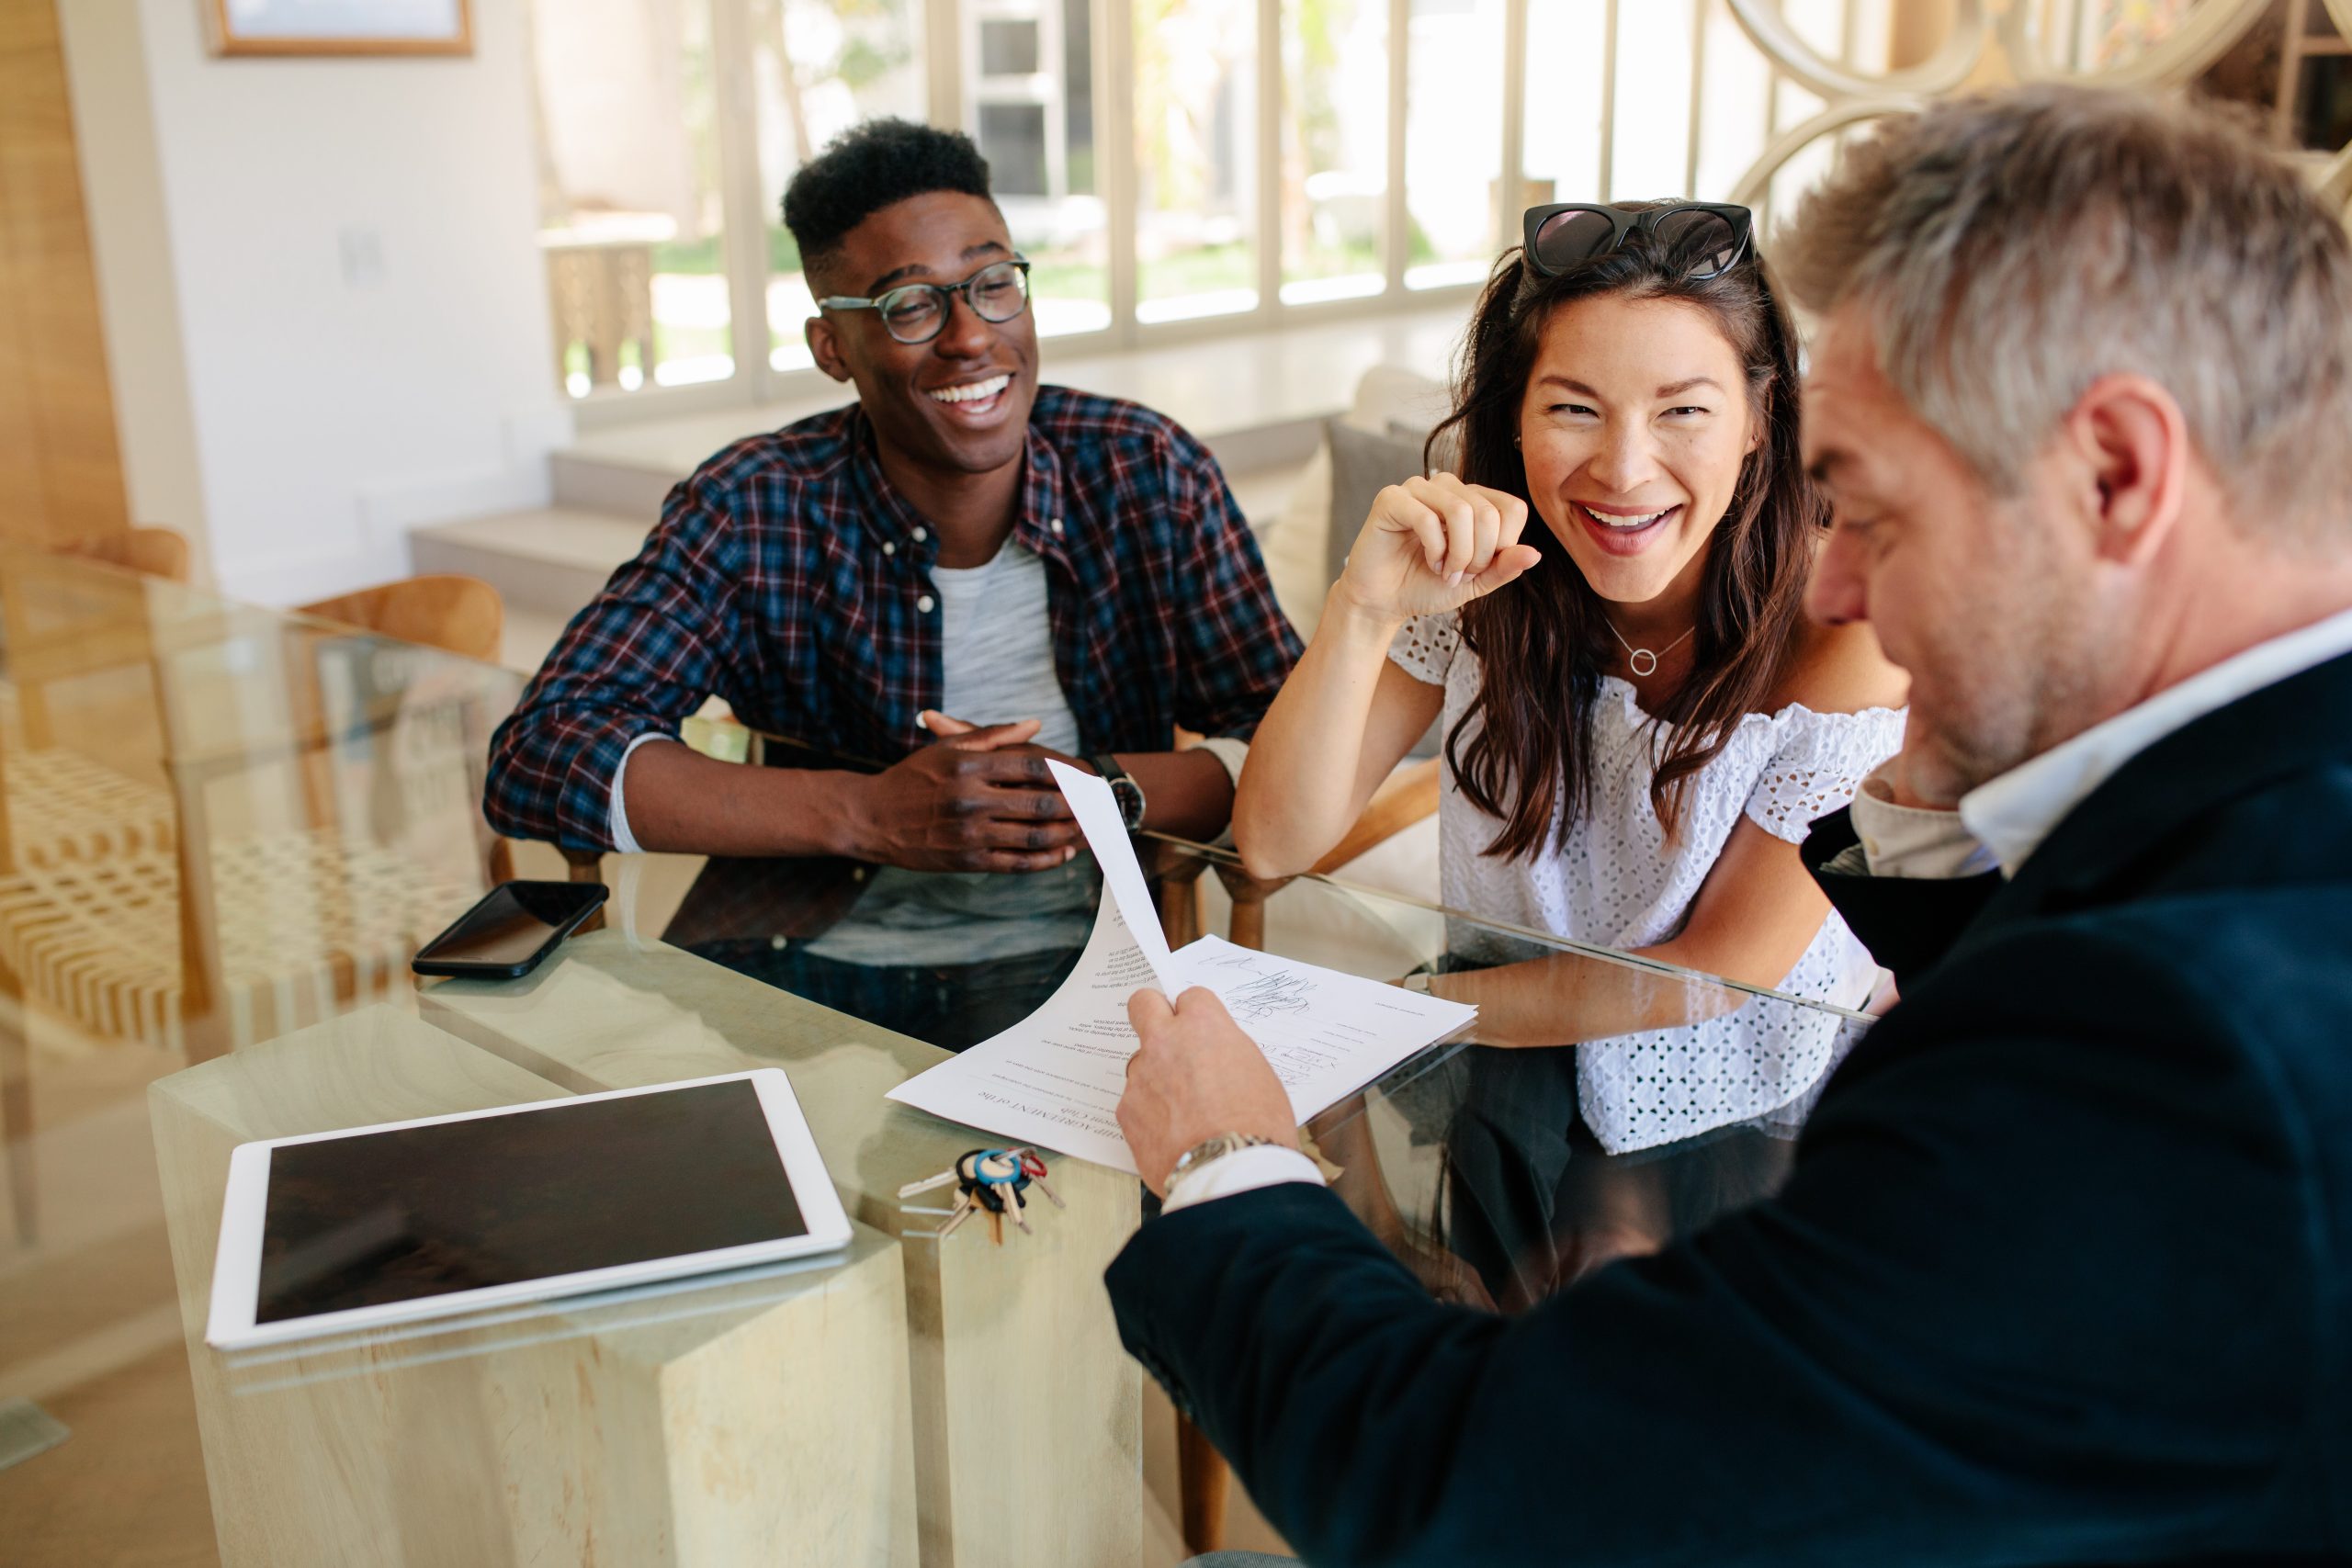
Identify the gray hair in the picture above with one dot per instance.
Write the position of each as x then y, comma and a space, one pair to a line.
2011, 248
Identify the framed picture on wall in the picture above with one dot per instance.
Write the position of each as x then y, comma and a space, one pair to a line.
340, 27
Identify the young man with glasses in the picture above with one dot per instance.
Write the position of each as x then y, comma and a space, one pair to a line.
957, 575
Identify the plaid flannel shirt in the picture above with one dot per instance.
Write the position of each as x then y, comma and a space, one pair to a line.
790, 578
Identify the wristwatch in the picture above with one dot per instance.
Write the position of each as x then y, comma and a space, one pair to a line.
1124, 789
1207, 1149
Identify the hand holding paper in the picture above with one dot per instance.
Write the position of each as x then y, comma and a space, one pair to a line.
1196, 1076
1056, 1078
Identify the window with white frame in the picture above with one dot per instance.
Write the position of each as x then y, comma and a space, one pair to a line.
632, 211
1180, 167
1171, 167
817, 68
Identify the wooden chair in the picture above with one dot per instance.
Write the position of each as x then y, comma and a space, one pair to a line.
58, 805
150, 551
456, 614
185, 937
1408, 796
463, 615
56, 800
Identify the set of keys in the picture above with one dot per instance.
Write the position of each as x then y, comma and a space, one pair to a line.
990, 1181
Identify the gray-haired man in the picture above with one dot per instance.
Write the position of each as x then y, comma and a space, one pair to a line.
2064, 1274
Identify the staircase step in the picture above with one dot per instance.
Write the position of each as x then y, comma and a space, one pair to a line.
549, 563
626, 486
550, 560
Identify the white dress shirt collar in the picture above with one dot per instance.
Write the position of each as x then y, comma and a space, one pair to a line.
2014, 813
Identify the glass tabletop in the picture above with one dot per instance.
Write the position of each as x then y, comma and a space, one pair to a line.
218, 825
1501, 1164
224, 832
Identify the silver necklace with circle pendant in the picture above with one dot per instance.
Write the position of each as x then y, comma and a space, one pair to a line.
1640, 660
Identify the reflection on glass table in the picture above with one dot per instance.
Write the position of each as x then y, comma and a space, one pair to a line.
220, 821
950, 958
1601, 1105
218, 824
1503, 1172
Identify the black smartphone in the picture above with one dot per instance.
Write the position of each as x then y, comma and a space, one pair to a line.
506, 935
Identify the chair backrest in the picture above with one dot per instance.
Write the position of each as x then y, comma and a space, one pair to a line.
1362, 464
152, 552
456, 613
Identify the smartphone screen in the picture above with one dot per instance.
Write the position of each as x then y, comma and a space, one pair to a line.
514, 922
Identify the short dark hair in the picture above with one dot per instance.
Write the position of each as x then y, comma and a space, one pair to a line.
869, 167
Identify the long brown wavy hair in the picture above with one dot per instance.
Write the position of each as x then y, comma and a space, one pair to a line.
1543, 643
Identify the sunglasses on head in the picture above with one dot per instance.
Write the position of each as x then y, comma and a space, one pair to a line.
1707, 239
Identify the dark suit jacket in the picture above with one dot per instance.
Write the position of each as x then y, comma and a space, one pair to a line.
2063, 1275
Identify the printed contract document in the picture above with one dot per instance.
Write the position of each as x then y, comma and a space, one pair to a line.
1054, 1079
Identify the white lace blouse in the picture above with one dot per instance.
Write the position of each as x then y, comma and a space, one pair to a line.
1617, 882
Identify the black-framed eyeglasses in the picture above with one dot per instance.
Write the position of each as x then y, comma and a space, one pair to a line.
915, 312
1707, 238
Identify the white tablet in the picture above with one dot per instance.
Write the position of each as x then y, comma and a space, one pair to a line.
412, 1220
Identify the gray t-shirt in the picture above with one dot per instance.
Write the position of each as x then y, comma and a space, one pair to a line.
997, 653
999, 645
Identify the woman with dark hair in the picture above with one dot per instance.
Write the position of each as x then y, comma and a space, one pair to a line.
1639, 721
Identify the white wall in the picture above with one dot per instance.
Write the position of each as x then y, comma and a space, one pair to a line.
130, 252
361, 306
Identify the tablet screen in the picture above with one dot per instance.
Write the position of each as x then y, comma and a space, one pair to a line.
421, 1211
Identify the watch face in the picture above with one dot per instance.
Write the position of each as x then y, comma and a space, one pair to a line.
1129, 795
1207, 1149
1203, 1152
